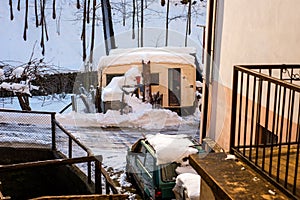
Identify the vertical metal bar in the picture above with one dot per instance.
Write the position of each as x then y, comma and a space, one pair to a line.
106, 187
298, 151
258, 119
70, 147
281, 132
246, 114
266, 122
233, 108
98, 184
278, 116
287, 121
289, 139
89, 172
252, 117
53, 131
273, 129
240, 111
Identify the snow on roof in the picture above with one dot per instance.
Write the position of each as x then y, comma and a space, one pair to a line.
171, 148
155, 55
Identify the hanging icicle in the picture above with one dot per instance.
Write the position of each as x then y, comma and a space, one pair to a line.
26, 22
84, 32
188, 22
88, 12
36, 13
42, 42
124, 11
18, 6
189, 17
167, 23
142, 23
133, 19
11, 10
54, 9
138, 22
93, 32
78, 4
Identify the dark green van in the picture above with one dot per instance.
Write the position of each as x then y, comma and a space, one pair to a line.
154, 181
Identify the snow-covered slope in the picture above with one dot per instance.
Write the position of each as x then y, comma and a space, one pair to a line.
64, 47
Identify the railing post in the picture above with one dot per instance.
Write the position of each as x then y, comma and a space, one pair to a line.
70, 147
98, 181
233, 108
53, 131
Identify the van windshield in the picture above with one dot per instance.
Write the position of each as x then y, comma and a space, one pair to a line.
168, 173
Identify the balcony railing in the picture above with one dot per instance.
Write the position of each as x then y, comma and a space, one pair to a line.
265, 121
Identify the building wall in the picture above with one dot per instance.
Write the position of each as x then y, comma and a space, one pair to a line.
248, 32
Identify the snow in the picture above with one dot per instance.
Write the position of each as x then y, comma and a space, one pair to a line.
171, 148
22, 87
115, 90
190, 182
17, 73
154, 55
148, 119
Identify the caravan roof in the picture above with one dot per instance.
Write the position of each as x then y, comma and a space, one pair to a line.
135, 56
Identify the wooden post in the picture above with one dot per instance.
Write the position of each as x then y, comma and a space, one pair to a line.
53, 131
147, 81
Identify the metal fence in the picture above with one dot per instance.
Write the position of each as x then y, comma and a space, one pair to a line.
32, 129
265, 121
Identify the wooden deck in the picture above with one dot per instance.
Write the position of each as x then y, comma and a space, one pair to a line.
280, 165
233, 179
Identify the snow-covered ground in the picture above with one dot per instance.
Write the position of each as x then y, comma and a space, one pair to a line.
110, 134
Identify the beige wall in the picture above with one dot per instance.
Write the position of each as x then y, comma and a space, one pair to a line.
249, 32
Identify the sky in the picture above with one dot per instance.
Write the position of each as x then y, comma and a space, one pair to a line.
64, 48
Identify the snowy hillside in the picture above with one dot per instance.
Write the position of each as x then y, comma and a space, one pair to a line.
64, 47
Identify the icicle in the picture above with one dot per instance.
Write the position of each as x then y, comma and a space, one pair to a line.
124, 12
42, 43
93, 31
167, 22
133, 19
138, 23
11, 10
36, 13
78, 4
18, 7
83, 32
88, 12
142, 23
26, 23
54, 9
188, 23
189, 17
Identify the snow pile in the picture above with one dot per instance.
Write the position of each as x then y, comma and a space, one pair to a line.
171, 148
148, 119
115, 89
189, 182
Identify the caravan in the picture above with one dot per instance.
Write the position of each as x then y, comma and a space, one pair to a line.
168, 76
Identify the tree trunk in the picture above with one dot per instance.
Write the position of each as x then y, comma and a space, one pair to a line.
23, 101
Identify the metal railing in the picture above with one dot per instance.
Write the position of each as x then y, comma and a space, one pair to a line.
265, 121
36, 129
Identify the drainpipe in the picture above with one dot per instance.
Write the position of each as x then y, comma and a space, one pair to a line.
210, 28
